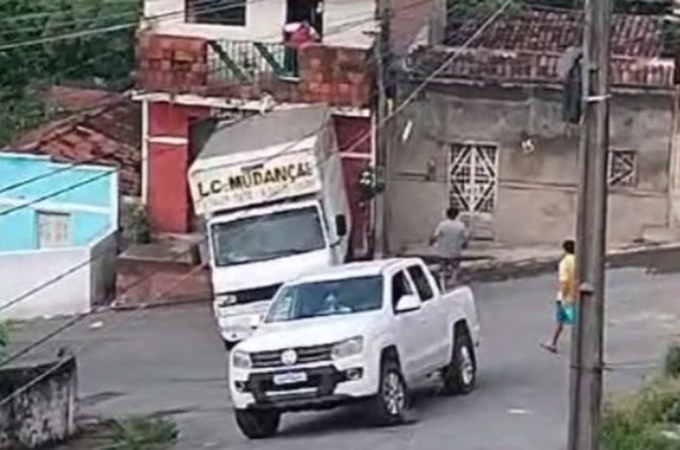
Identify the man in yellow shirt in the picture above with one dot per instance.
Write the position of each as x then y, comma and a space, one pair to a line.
566, 297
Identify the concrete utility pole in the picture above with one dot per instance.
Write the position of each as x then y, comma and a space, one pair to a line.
588, 332
383, 52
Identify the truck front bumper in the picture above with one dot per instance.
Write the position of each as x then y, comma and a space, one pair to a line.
326, 386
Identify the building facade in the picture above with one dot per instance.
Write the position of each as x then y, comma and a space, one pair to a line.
489, 135
199, 61
58, 243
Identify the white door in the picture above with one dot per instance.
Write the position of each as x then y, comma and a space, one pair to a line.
473, 180
54, 229
410, 329
435, 345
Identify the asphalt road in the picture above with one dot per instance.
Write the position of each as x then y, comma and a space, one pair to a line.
171, 361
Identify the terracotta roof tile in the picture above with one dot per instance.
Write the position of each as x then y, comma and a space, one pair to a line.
73, 99
526, 45
541, 30
109, 136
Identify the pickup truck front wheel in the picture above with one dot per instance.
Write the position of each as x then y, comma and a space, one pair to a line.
460, 375
390, 404
258, 424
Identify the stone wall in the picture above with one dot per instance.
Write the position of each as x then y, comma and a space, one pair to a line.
38, 403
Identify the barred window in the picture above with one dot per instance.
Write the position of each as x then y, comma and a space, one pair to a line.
622, 168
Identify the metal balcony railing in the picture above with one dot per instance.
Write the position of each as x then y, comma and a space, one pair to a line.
247, 61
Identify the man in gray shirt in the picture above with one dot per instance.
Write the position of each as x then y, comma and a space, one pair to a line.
450, 238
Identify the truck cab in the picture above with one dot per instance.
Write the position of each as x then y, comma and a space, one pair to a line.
272, 195
253, 253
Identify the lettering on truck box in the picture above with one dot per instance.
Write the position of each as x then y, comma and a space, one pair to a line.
230, 187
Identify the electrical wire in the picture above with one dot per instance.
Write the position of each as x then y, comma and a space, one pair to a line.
99, 109
410, 98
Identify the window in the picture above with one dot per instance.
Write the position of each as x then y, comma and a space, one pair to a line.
422, 283
622, 168
400, 288
216, 12
260, 238
54, 229
327, 298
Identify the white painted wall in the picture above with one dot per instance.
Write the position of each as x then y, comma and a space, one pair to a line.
64, 280
345, 21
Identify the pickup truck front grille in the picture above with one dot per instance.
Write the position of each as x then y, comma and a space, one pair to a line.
305, 355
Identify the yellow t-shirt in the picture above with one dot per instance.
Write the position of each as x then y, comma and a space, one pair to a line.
567, 278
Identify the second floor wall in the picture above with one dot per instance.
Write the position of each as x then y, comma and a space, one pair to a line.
339, 22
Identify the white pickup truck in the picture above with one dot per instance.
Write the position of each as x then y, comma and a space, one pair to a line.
365, 331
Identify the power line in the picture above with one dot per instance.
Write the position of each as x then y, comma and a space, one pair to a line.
434, 74
97, 110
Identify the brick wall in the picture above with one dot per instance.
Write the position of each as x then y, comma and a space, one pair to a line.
171, 63
143, 282
334, 75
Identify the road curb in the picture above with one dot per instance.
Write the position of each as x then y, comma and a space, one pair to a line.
153, 305
503, 270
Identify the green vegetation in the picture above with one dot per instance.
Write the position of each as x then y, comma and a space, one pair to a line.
4, 337
143, 434
96, 59
650, 418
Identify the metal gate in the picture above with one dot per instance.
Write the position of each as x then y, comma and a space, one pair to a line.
473, 185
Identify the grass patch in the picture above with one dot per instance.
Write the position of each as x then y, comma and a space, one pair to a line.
142, 434
650, 418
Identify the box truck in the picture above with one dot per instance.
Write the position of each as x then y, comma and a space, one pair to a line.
271, 193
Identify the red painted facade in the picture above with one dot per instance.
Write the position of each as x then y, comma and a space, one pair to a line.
168, 201
354, 140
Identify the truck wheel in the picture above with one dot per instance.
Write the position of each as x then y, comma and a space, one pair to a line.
390, 404
460, 375
258, 424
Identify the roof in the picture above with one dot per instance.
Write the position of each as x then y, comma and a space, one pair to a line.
67, 98
526, 45
270, 129
107, 135
553, 31
353, 270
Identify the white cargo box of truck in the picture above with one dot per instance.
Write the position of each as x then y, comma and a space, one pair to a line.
271, 191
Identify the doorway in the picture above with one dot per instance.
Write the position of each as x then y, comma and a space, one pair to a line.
473, 181
306, 10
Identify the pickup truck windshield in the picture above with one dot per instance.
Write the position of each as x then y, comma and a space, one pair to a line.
266, 237
326, 298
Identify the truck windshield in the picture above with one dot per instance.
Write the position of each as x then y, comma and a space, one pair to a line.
260, 238
326, 298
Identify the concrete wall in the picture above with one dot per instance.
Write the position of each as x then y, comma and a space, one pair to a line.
536, 190
33, 183
42, 412
344, 20
55, 282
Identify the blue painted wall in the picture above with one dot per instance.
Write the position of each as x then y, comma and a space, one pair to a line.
56, 186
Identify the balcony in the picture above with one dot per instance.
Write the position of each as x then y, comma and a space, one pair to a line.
247, 61
245, 70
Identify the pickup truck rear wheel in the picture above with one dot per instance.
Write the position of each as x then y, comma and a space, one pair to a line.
258, 424
390, 404
460, 375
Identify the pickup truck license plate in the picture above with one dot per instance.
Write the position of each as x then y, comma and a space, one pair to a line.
290, 378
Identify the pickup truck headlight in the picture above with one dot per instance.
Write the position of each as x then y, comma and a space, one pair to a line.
223, 300
348, 347
241, 360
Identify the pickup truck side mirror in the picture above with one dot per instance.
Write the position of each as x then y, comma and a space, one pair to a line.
408, 303
341, 225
